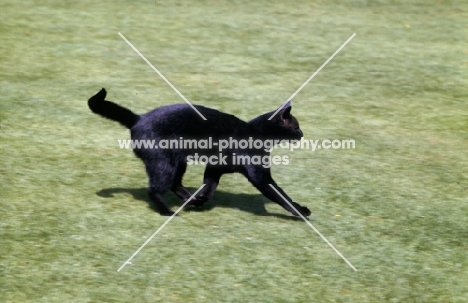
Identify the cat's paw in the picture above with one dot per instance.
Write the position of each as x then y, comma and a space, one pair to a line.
302, 209
198, 201
167, 213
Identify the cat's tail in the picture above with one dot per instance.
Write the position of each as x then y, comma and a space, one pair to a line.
112, 111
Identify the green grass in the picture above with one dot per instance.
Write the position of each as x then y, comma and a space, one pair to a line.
73, 205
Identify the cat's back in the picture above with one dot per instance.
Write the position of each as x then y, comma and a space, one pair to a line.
183, 120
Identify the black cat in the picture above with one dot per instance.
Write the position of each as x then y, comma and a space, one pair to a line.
166, 167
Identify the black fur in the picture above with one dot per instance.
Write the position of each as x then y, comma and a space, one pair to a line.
112, 111
166, 167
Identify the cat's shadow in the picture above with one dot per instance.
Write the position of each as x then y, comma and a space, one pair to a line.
254, 204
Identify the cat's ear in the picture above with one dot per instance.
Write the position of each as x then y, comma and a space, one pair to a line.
285, 112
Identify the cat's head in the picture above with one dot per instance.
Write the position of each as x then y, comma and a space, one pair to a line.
286, 124
283, 125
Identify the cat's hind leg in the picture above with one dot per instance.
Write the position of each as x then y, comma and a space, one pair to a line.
158, 202
177, 187
161, 177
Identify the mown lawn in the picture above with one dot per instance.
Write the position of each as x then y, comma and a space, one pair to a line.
74, 205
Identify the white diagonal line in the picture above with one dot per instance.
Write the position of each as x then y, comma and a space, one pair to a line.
313, 227
311, 77
161, 75
159, 229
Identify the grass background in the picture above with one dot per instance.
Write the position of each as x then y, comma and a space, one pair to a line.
73, 205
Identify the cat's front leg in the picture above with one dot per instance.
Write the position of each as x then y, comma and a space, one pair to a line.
211, 180
303, 210
261, 179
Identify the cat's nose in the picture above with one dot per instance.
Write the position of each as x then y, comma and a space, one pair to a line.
299, 132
